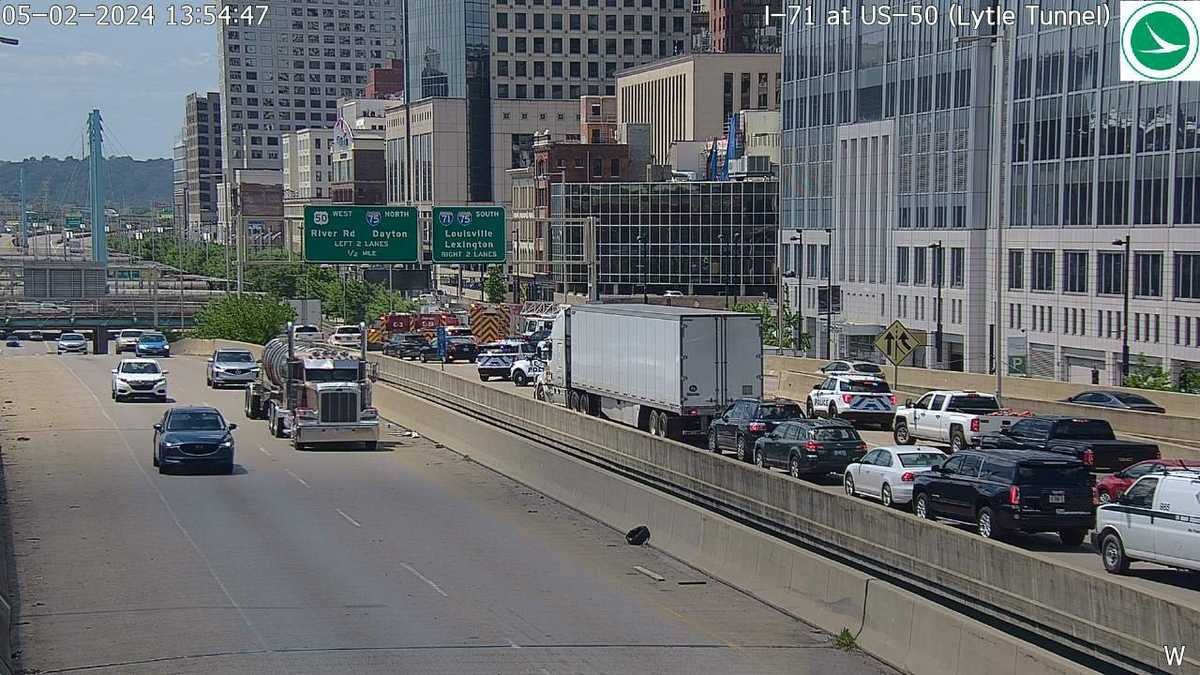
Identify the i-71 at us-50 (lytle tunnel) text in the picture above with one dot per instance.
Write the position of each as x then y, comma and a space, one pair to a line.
931, 15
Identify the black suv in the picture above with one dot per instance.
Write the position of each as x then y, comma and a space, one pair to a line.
1009, 490
810, 447
745, 421
405, 345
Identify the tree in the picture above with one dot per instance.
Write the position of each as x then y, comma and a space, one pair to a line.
1145, 376
770, 325
247, 318
1189, 381
494, 288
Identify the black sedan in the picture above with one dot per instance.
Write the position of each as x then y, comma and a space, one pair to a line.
810, 447
405, 346
457, 349
193, 437
745, 421
1116, 399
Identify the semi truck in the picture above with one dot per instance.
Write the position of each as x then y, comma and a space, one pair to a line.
663, 369
316, 393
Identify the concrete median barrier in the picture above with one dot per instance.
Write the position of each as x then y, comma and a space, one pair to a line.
1078, 609
822, 592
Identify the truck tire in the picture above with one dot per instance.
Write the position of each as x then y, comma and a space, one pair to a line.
744, 453
277, 428
572, 400
713, 445
958, 440
985, 523
901, 434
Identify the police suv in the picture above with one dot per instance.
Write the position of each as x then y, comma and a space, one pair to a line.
857, 398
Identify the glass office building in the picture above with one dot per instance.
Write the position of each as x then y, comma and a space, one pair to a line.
907, 112
448, 47
700, 238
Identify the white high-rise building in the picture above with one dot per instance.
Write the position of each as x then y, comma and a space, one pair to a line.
288, 72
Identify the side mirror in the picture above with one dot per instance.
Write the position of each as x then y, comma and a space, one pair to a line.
158, 427
816, 386
908, 403
166, 372
937, 468
209, 361
232, 426
1123, 498
113, 371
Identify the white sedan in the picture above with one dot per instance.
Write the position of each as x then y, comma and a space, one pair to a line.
886, 473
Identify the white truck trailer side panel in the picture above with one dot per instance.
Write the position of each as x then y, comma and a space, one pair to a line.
630, 357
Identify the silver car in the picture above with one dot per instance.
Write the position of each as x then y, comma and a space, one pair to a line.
73, 343
231, 366
127, 340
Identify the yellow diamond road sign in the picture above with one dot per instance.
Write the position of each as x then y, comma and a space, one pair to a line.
897, 342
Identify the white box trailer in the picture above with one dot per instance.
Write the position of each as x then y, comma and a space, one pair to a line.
664, 369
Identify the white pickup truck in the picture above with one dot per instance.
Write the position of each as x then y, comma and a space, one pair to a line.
958, 418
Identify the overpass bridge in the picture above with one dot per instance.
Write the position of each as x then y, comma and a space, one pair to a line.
98, 317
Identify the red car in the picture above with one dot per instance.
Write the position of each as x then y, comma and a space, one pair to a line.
1113, 485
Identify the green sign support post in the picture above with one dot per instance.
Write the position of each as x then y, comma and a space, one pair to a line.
361, 235
472, 235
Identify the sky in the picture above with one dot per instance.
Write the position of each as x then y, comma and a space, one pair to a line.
137, 77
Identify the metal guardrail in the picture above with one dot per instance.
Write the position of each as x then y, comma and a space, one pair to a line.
1077, 614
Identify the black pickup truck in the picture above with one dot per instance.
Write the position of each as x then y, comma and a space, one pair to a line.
1089, 440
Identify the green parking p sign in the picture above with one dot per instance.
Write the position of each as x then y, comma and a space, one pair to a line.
469, 234
357, 235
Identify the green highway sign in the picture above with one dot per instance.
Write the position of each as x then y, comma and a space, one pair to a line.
74, 221
361, 234
469, 234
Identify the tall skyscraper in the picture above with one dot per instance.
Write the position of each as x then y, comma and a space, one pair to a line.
888, 143
288, 72
743, 26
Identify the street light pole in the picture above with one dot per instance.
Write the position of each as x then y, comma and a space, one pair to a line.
939, 264
829, 298
1125, 309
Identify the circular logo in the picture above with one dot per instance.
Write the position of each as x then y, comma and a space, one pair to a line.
1159, 40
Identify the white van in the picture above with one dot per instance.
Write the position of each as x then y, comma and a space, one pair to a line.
1156, 520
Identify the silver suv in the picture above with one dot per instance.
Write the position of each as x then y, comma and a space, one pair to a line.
231, 366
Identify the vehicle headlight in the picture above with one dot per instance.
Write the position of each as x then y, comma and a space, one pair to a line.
226, 444
171, 445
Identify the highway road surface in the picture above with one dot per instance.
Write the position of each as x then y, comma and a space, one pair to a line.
1180, 586
412, 559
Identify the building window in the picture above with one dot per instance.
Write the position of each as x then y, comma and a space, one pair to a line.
1110, 274
1075, 271
957, 267
1016, 270
918, 273
1043, 271
902, 264
615, 168
812, 261
1147, 275
1187, 276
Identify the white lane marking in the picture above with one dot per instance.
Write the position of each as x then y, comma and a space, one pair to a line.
352, 521
650, 573
171, 512
514, 645
301, 481
264, 451
422, 577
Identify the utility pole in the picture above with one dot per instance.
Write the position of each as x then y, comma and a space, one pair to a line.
24, 227
799, 294
939, 270
1125, 309
829, 297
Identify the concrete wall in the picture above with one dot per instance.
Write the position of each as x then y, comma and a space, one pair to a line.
901, 628
198, 347
1042, 396
1069, 606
